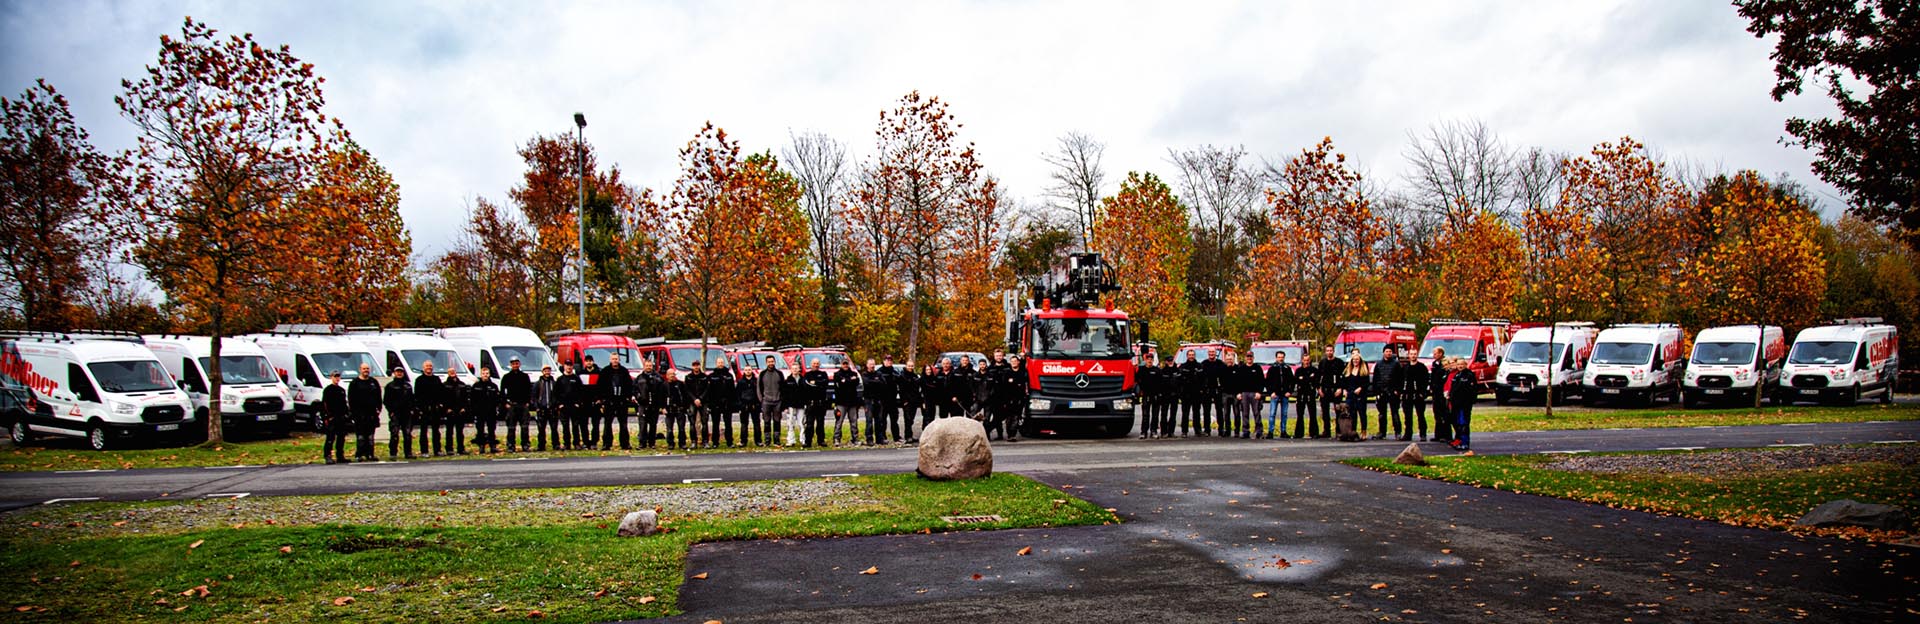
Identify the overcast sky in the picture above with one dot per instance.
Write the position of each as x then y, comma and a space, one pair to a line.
442, 92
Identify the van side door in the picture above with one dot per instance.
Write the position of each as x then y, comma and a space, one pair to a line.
84, 395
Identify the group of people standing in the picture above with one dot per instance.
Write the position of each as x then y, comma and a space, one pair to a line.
1227, 397
581, 410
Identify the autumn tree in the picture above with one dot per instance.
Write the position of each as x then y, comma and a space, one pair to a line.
1220, 186
1314, 271
1870, 272
906, 202
1078, 177
971, 316
483, 279
1142, 231
57, 205
1756, 257
1634, 206
1866, 53
548, 197
1560, 264
819, 164
1458, 169
230, 133
1038, 247
363, 245
1478, 267
737, 242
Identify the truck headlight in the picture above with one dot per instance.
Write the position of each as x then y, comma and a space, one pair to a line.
1039, 405
1123, 404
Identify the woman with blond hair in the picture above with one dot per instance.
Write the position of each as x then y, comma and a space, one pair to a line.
1358, 379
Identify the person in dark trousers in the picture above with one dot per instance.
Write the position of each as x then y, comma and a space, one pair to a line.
453, 409
1413, 399
428, 395
770, 387
654, 400
1306, 397
363, 399
1217, 377
816, 383
997, 383
1461, 389
897, 379
596, 401
1146, 387
876, 390
746, 400
679, 404
335, 420
398, 400
1333, 375
1387, 381
1017, 412
1168, 399
1189, 380
1355, 383
616, 389
1250, 377
517, 387
696, 388
907, 387
1437, 382
719, 403
547, 417
963, 382
933, 391
1276, 384
483, 406
566, 397
847, 403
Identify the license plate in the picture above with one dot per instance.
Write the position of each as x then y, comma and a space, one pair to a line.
1715, 391
1809, 392
166, 427
1080, 405
1609, 391
268, 417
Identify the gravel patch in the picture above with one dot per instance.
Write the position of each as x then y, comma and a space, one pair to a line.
464, 508
1731, 462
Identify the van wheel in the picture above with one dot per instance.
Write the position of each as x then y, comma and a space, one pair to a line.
97, 438
1856, 395
20, 434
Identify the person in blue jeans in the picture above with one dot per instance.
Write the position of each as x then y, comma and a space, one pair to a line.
1461, 390
1279, 381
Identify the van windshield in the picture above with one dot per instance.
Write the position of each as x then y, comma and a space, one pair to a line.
531, 358
1456, 347
1533, 352
604, 355
828, 360
132, 376
1808, 352
443, 360
1629, 353
242, 369
348, 364
1264, 355
684, 357
1369, 351
1721, 353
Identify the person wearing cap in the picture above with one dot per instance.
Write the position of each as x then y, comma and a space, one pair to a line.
518, 388
547, 418
336, 423
592, 401
363, 399
566, 407
399, 402
717, 396
616, 389
651, 385
746, 400
453, 411
483, 406
428, 394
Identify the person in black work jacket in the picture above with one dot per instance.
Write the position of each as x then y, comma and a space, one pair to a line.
906, 385
517, 387
335, 420
398, 400
847, 403
651, 386
1167, 399
616, 389
679, 404
964, 383
1388, 379
1436, 390
566, 397
793, 407
1146, 386
546, 412
1306, 398
1218, 379
815, 383
593, 401
1186, 387
876, 390
1461, 388
428, 395
746, 401
1277, 383
453, 409
696, 384
1333, 374
719, 402
1251, 380
933, 385
363, 399
483, 406
1413, 399
997, 381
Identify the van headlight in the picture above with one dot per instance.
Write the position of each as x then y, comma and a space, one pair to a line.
125, 409
1039, 405
1742, 375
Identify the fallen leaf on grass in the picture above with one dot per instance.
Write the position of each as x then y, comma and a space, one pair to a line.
180, 608
535, 615
369, 589
714, 622
647, 599
75, 564
199, 589
1259, 594
499, 608
196, 544
871, 570
120, 523
286, 549
977, 577
161, 601
701, 576
1282, 563
1377, 586
343, 601
23, 608
1023, 552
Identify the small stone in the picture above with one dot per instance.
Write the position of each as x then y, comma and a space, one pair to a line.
1845, 512
1411, 456
953, 449
638, 523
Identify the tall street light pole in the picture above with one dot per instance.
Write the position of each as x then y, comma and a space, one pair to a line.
580, 152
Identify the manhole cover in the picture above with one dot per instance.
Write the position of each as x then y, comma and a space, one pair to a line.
972, 519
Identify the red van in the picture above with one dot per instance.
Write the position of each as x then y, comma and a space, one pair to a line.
1482, 342
572, 347
1202, 351
1265, 352
681, 354
1371, 339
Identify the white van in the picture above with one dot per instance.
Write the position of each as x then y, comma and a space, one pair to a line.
494, 346
1636, 361
303, 356
409, 349
1845, 361
253, 399
107, 388
1563, 348
1724, 361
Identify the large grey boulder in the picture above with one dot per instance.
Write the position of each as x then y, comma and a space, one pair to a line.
1846, 512
645, 522
1411, 456
955, 448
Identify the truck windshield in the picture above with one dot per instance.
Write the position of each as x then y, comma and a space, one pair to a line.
1081, 339
1721, 353
1630, 353
1821, 353
531, 358
1533, 352
443, 360
1264, 355
347, 363
131, 376
242, 369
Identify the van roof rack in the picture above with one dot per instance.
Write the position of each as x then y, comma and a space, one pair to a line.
615, 329
1646, 325
791, 347
75, 335
1573, 324
1367, 325
750, 344
643, 342
1860, 320
320, 329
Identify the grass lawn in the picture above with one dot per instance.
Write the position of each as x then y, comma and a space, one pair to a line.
498, 560
1769, 499
1534, 418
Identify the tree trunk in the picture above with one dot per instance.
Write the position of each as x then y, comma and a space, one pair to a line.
215, 434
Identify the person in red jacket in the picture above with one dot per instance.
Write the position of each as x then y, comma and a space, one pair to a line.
1461, 388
